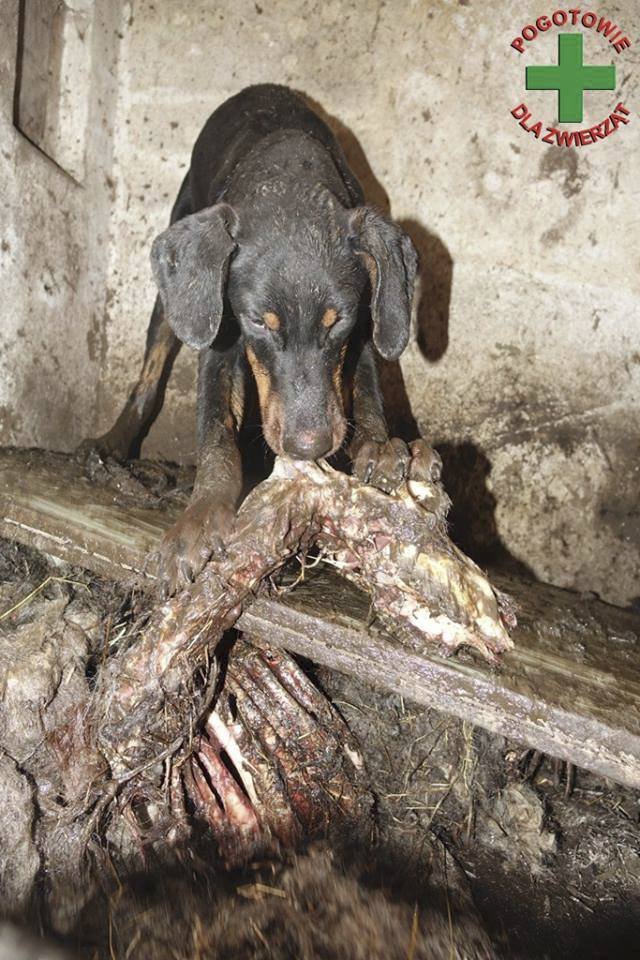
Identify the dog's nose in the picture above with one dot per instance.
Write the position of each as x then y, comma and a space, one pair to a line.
308, 444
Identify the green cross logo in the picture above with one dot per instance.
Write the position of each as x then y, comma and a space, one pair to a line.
570, 78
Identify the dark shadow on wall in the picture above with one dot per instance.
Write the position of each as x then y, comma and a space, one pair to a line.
436, 277
472, 518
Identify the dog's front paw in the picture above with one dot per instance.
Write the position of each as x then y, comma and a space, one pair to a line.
388, 464
110, 446
196, 536
384, 464
426, 463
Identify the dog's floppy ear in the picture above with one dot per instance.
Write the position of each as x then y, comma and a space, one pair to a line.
391, 261
190, 261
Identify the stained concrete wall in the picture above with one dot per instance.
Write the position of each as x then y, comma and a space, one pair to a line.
525, 364
54, 239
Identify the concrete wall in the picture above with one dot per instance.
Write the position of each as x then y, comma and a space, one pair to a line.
54, 240
525, 363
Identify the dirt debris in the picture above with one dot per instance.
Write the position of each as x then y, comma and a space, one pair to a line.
464, 858
553, 876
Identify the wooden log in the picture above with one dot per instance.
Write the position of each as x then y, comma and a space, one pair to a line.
571, 686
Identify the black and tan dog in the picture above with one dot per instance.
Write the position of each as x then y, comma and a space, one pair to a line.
272, 263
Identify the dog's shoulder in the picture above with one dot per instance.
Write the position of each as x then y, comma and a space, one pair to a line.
262, 120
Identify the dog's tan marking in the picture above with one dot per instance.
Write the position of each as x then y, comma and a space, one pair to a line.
262, 378
329, 317
155, 361
152, 369
337, 376
237, 399
270, 404
271, 320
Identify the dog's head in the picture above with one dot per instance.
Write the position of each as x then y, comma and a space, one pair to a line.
295, 285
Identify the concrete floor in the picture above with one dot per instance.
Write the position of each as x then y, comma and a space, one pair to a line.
525, 363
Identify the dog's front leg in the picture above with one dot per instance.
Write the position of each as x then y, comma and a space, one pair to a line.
377, 458
201, 530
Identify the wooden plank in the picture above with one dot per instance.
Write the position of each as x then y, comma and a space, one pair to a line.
571, 687
47, 501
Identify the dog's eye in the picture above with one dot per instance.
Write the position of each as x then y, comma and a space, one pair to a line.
268, 321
